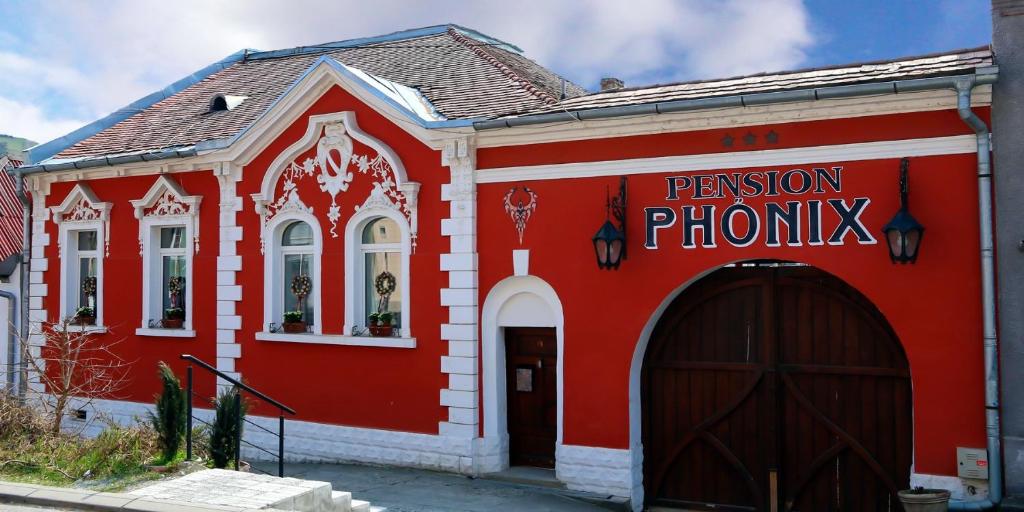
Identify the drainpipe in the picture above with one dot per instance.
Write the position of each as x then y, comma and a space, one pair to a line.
988, 303
12, 307
26, 256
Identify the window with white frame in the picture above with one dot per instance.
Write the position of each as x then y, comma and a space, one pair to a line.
167, 274
293, 279
377, 248
83, 275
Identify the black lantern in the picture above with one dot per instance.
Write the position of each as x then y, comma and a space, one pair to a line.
610, 240
903, 233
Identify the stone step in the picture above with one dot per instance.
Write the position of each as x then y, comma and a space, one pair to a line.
360, 506
342, 501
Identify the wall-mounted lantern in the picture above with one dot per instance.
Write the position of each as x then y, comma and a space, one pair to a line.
903, 233
610, 240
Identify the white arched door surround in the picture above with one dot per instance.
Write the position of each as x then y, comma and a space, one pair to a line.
517, 301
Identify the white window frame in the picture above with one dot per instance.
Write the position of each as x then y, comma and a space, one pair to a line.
183, 210
152, 276
274, 286
356, 309
81, 210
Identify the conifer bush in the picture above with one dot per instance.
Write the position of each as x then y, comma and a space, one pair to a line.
226, 428
171, 415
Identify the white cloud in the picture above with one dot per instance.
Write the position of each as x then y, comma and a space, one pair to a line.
29, 122
85, 60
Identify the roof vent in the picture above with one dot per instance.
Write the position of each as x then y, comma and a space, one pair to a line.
225, 102
610, 83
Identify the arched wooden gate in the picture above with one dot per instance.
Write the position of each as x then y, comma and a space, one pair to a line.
775, 388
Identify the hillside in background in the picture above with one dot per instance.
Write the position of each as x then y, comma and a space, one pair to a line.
14, 146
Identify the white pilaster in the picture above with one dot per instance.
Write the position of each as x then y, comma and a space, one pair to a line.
38, 291
229, 263
461, 332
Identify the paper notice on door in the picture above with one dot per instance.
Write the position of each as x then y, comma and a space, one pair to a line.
524, 379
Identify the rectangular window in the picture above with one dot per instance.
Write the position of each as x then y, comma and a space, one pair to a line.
173, 272
377, 263
296, 265
86, 279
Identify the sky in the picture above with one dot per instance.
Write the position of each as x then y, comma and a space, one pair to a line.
65, 63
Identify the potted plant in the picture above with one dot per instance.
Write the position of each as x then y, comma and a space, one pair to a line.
174, 318
85, 316
920, 499
381, 325
293, 322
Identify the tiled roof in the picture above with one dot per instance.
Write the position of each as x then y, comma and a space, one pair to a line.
951, 63
10, 210
463, 76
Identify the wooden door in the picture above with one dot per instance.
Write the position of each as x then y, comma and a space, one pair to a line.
775, 388
531, 358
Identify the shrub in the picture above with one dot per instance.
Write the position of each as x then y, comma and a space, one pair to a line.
226, 428
171, 413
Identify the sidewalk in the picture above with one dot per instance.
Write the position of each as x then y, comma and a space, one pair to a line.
414, 490
63, 498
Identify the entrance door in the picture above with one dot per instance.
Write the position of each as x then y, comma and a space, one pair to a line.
531, 357
775, 388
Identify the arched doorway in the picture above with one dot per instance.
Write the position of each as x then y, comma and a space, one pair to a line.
775, 387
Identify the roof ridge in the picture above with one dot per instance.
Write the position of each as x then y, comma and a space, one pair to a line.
502, 67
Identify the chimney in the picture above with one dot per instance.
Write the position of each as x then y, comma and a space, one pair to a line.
610, 83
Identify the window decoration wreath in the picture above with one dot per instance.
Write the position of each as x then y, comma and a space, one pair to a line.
89, 286
385, 284
301, 286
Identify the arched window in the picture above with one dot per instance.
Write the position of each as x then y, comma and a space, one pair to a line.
377, 249
381, 253
297, 271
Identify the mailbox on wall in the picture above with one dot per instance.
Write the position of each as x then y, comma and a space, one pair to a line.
972, 463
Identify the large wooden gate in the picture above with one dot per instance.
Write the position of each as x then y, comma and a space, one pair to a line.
775, 388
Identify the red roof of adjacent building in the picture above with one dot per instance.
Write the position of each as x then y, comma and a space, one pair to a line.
10, 210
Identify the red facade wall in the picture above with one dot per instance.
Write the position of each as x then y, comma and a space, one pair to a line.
122, 301
933, 305
387, 388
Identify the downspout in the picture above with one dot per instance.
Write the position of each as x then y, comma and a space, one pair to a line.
26, 256
988, 302
12, 307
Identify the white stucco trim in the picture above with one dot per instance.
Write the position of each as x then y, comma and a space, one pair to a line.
355, 273
273, 270
957, 144
335, 339
68, 257
165, 333
502, 309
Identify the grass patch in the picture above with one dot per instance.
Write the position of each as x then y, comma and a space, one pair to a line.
115, 459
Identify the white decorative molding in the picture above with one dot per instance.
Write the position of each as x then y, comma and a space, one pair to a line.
79, 207
40, 239
166, 199
274, 286
461, 397
229, 263
332, 134
335, 339
165, 333
957, 144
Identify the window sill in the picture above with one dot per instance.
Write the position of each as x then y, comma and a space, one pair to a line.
338, 339
165, 333
89, 329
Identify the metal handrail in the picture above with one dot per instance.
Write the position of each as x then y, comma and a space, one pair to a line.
239, 420
224, 376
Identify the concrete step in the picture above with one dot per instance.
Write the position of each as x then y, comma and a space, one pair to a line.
360, 506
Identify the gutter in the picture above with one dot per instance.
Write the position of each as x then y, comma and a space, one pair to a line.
964, 86
26, 256
12, 305
985, 75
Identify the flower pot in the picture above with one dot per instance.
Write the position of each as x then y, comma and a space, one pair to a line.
84, 320
381, 330
931, 500
294, 327
172, 323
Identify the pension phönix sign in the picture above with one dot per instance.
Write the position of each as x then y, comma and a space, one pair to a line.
803, 200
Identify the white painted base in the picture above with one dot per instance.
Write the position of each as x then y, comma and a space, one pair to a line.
597, 470
959, 488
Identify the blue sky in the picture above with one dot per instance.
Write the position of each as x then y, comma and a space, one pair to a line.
67, 62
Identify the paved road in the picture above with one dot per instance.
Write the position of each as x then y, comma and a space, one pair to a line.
412, 490
11, 507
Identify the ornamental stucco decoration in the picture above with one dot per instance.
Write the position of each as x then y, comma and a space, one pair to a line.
335, 165
81, 206
167, 200
519, 212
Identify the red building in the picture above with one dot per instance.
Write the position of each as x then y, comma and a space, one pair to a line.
756, 341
